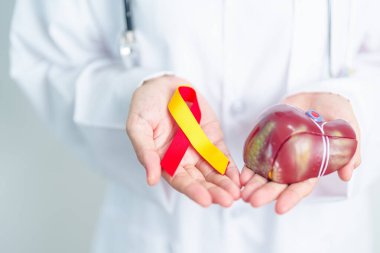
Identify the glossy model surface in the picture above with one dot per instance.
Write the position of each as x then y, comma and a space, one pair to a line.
288, 146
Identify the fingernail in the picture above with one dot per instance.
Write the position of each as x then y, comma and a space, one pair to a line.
151, 180
247, 191
282, 210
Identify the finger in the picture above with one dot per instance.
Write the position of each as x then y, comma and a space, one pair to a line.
357, 157
151, 161
246, 175
218, 195
358, 160
345, 173
141, 135
253, 184
266, 194
293, 194
232, 170
222, 181
185, 183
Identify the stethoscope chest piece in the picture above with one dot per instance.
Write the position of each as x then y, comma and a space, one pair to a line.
127, 43
127, 47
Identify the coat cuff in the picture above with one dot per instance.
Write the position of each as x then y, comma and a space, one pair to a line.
104, 92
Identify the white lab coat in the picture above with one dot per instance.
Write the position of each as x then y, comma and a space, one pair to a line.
242, 56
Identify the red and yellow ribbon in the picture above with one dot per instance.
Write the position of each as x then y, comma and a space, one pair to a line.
190, 132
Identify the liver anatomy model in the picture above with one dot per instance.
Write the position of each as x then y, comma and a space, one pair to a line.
288, 145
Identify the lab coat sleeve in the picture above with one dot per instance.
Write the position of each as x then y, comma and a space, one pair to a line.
60, 61
362, 88
53, 54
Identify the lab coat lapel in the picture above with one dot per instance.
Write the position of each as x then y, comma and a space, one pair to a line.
340, 36
310, 40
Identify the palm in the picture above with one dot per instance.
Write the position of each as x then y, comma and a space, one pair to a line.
194, 177
258, 191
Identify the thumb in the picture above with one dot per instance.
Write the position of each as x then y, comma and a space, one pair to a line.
151, 161
141, 135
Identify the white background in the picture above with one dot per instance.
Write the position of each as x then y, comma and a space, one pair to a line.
49, 200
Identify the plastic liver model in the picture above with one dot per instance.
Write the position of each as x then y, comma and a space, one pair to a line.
288, 145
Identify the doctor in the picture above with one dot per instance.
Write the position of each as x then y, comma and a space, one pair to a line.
241, 56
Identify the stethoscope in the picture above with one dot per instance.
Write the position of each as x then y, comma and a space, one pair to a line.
129, 54
127, 46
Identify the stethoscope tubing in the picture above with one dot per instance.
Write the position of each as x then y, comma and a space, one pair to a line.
129, 25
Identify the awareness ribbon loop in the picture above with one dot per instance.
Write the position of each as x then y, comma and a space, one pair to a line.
190, 132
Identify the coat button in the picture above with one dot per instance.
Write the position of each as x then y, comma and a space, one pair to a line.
237, 107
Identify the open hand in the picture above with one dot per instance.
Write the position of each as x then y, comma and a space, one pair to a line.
151, 130
258, 191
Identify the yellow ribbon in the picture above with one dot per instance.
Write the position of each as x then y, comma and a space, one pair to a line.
193, 131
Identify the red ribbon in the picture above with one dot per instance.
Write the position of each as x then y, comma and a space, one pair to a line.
180, 143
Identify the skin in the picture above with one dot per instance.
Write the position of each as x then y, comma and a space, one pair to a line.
151, 130
258, 191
